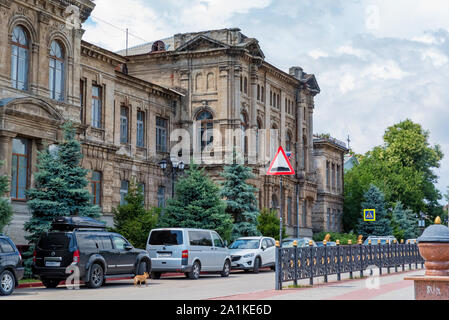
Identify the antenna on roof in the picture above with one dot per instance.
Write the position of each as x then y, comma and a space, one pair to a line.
127, 35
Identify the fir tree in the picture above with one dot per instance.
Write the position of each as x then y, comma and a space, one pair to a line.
197, 204
269, 224
240, 200
5, 207
405, 223
132, 220
375, 199
60, 187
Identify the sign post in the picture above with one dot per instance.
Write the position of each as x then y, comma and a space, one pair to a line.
280, 166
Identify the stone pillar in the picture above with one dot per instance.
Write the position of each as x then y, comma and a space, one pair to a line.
6, 152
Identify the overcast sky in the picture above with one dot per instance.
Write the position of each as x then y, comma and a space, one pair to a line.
377, 62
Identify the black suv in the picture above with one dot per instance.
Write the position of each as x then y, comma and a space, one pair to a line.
11, 269
84, 243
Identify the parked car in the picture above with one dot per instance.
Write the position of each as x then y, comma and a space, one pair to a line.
253, 253
328, 244
383, 240
85, 243
302, 242
189, 251
11, 266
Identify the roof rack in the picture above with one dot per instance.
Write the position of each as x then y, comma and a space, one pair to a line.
72, 223
90, 229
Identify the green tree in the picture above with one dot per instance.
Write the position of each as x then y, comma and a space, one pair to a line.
60, 186
374, 199
132, 220
269, 225
405, 223
197, 204
240, 200
402, 168
5, 207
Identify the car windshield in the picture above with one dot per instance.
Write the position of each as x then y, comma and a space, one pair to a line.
245, 244
166, 238
289, 243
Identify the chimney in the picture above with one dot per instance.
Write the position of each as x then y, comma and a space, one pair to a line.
296, 72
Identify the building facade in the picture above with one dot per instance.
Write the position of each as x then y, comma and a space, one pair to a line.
49, 75
228, 86
329, 156
195, 95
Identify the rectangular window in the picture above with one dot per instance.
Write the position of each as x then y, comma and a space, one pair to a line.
124, 125
123, 192
263, 94
82, 94
95, 183
140, 129
327, 174
304, 213
96, 107
258, 92
19, 169
161, 134
271, 98
142, 187
200, 238
161, 197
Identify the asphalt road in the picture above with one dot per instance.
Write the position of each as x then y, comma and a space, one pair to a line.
239, 286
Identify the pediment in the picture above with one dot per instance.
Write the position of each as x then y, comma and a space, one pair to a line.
31, 108
255, 50
312, 83
201, 43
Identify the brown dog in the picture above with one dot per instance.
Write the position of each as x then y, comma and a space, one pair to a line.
141, 279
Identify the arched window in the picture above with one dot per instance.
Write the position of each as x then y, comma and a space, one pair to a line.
205, 130
19, 58
56, 78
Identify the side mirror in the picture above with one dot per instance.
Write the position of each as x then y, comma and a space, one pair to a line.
264, 248
128, 247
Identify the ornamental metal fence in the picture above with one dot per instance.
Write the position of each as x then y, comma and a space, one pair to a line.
295, 264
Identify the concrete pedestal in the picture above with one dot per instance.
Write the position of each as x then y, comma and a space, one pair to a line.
431, 287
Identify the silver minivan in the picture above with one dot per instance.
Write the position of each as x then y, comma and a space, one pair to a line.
190, 251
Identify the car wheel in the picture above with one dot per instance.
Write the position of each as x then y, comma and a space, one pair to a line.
196, 270
50, 283
256, 265
7, 283
156, 275
96, 278
142, 268
226, 269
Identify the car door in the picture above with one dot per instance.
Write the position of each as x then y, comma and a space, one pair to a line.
264, 254
201, 246
108, 252
271, 251
7, 253
221, 252
124, 259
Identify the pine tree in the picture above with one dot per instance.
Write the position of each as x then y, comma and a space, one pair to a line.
405, 223
375, 199
269, 224
60, 187
240, 200
5, 207
197, 204
132, 220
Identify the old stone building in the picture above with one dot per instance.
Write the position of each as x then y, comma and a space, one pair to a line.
197, 95
48, 75
229, 86
329, 155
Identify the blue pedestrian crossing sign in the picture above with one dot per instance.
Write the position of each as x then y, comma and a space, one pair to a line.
369, 215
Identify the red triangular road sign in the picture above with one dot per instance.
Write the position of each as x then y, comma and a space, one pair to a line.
281, 166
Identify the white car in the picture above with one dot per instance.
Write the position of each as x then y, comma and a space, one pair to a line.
253, 253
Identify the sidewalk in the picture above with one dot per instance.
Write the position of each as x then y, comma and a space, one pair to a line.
391, 287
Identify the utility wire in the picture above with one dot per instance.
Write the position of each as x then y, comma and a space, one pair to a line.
118, 28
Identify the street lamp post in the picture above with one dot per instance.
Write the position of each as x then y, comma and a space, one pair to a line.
176, 168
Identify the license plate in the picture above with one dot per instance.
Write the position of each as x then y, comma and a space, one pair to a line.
52, 264
164, 255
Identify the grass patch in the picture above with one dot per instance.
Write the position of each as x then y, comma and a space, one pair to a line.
298, 286
27, 281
